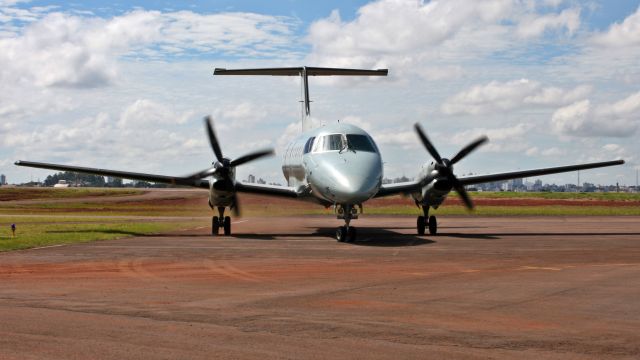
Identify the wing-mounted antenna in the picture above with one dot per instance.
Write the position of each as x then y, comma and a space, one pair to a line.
304, 72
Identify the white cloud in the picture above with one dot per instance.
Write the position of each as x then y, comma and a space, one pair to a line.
291, 131
536, 25
404, 139
145, 112
241, 115
419, 37
615, 148
552, 151
504, 139
619, 119
622, 34
500, 96
67, 50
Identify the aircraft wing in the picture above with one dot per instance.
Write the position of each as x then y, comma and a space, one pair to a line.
271, 190
172, 180
478, 179
413, 186
398, 188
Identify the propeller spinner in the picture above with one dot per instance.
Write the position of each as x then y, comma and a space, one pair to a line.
445, 166
223, 166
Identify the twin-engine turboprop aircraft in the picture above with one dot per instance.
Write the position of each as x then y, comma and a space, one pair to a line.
335, 165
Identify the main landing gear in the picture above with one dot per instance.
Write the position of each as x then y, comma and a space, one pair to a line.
221, 221
427, 221
346, 233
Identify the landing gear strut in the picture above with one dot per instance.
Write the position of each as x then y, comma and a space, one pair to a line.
346, 233
427, 221
221, 221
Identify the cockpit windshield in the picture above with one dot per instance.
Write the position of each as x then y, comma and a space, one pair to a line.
360, 143
341, 142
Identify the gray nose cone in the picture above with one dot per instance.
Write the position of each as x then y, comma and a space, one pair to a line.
352, 179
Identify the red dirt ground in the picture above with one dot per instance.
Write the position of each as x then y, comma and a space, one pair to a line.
525, 287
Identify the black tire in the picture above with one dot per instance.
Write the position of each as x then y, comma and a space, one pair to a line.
433, 225
352, 234
421, 225
215, 225
227, 225
341, 234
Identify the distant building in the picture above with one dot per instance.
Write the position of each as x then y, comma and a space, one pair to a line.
588, 187
251, 179
517, 184
3, 179
537, 185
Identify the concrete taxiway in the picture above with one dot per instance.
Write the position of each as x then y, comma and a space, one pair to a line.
525, 287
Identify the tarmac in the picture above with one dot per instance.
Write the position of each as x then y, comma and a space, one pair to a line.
282, 287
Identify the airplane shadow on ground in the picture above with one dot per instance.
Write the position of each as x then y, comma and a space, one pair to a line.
493, 236
366, 237
382, 237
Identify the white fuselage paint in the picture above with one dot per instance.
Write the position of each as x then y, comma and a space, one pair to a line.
347, 174
350, 173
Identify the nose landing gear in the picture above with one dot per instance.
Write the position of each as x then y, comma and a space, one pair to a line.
346, 233
427, 221
220, 222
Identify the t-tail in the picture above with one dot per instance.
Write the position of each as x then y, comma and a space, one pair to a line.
304, 72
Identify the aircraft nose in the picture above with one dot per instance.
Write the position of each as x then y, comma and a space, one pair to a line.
356, 178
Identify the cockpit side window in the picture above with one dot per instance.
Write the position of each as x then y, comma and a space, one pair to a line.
308, 145
360, 143
317, 145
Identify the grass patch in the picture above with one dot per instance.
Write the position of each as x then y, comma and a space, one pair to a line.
20, 193
109, 209
548, 210
612, 196
46, 231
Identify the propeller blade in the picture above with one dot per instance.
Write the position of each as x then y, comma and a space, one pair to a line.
236, 206
202, 174
463, 194
213, 140
250, 157
469, 148
427, 144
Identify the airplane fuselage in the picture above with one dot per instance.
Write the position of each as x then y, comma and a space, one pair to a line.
338, 164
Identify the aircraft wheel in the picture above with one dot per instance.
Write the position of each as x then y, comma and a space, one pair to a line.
341, 234
421, 225
227, 225
433, 225
352, 234
215, 225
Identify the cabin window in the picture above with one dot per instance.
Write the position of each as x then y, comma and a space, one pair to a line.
360, 143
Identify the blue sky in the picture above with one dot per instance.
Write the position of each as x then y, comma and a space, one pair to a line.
123, 86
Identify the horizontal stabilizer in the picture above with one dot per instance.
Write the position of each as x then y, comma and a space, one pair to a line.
297, 71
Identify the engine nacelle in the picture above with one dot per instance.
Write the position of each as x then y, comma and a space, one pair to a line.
221, 192
436, 187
